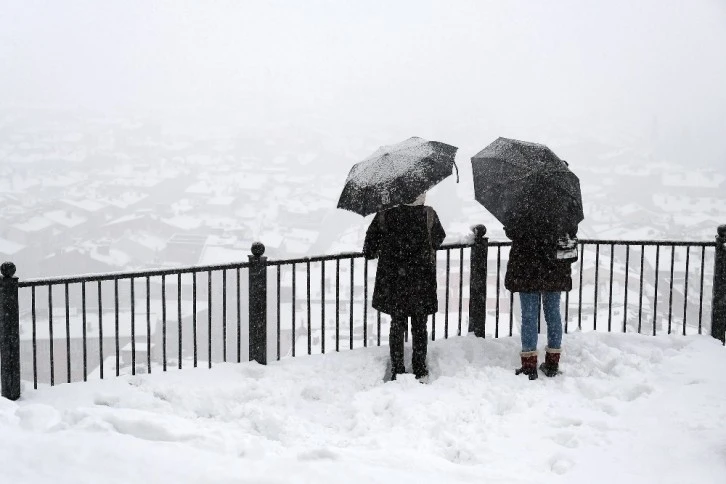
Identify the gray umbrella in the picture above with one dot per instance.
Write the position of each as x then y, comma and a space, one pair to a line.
396, 174
522, 182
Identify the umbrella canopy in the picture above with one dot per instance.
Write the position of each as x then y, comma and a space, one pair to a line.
396, 174
521, 182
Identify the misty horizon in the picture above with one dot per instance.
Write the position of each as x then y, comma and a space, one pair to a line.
463, 72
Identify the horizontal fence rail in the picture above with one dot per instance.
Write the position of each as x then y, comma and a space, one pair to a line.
94, 326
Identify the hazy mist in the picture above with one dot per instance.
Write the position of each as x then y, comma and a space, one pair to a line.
462, 72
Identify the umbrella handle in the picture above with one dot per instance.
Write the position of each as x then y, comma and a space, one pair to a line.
457, 171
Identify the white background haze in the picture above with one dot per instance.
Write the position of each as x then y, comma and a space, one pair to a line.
463, 71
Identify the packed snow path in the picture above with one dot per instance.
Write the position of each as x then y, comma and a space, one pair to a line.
628, 409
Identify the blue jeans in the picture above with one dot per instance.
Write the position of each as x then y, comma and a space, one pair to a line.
530, 302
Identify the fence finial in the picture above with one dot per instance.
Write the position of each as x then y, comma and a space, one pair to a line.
258, 248
7, 269
480, 231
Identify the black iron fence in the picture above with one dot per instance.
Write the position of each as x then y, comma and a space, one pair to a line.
92, 326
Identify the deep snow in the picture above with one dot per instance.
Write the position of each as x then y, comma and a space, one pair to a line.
628, 409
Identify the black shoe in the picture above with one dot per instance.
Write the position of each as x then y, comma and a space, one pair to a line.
529, 365
397, 371
551, 365
422, 374
530, 372
549, 370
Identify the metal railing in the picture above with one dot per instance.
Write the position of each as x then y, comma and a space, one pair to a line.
160, 320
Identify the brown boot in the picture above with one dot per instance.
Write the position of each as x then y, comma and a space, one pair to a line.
529, 365
551, 365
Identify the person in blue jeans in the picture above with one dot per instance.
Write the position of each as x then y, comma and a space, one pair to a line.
538, 277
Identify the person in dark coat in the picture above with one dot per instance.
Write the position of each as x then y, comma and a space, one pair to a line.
537, 276
405, 239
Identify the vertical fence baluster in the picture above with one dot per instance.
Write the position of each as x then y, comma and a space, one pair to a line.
337, 304
116, 327
163, 322
655, 291
148, 324
640, 295
461, 290
446, 301
179, 318
378, 325
433, 327
35, 338
309, 312
278, 313
68, 334
579, 288
100, 331
224, 315
496, 294
239, 315
352, 287
433, 316
209, 319
293, 309
365, 303
85, 337
133, 328
610, 295
670, 297
700, 297
322, 307
625, 301
567, 309
511, 313
597, 271
194, 317
685, 290
50, 334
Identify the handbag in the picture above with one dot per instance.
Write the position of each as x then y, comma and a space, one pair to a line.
566, 251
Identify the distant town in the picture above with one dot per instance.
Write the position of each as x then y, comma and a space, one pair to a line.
123, 195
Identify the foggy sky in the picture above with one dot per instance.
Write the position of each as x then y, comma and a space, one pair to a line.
429, 68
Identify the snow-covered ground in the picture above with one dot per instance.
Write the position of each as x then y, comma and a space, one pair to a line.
628, 409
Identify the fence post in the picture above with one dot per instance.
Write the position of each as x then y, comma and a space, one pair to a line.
258, 304
478, 281
9, 332
718, 303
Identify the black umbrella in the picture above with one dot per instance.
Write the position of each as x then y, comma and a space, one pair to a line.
396, 174
521, 182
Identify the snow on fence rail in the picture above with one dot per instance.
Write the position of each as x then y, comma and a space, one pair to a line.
70, 329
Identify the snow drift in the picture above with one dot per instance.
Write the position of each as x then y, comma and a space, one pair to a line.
634, 408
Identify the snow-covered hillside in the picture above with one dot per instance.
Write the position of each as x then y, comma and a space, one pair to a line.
628, 409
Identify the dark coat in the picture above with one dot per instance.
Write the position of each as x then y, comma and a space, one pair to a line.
406, 274
531, 265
